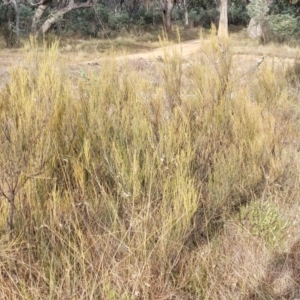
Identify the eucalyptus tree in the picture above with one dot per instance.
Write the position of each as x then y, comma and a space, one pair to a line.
13, 26
223, 21
258, 10
58, 9
166, 8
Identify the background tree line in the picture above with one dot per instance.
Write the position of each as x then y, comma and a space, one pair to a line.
102, 18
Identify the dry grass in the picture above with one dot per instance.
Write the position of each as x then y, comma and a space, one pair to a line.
243, 45
149, 183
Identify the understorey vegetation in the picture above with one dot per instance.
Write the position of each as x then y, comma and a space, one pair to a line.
266, 20
167, 180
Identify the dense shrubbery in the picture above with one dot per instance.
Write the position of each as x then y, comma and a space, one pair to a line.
143, 182
237, 14
283, 27
280, 24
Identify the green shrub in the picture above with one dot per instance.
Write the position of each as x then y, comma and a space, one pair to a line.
86, 22
207, 17
26, 14
118, 175
283, 27
263, 219
258, 9
237, 14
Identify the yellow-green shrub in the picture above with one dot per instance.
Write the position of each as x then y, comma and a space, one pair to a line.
114, 174
263, 219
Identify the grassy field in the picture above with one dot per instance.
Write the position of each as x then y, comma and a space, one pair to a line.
172, 179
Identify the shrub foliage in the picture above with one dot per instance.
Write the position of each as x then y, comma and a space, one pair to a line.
117, 181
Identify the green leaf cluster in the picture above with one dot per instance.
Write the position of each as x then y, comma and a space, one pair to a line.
284, 26
263, 219
258, 9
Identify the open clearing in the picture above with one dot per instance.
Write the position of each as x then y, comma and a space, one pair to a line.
245, 56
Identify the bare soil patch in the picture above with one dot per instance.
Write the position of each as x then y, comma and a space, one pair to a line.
244, 57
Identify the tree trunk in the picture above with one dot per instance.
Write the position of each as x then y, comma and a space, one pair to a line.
254, 29
37, 17
186, 14
51, 21
14, 29
54, 18
257, 26
223, 22
17, 16
118, 7
167, 7
147, 4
